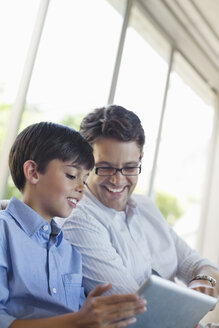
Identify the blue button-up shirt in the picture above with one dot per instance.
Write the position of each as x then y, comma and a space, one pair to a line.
40, 272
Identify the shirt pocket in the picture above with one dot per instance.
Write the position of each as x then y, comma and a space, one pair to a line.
73, 290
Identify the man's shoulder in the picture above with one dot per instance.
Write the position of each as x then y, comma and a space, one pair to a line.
91, 205
7, 225
86, 206
147, 206
142, 200
3, 204
89, 214
5, 217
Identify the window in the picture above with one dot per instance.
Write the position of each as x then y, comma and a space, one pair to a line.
184, 145
16, 26
141, 83
75, 61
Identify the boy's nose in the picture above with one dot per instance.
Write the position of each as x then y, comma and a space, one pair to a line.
80, 186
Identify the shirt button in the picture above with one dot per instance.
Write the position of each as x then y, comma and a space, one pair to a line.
45, 227
54, 290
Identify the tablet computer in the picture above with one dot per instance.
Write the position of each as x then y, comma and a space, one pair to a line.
170, 305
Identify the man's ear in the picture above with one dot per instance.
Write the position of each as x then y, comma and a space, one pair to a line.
142, 155
30, 171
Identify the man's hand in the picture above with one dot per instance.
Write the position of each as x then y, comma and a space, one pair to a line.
108, 311
203, 286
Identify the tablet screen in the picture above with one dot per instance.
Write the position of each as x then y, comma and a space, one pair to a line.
171, 306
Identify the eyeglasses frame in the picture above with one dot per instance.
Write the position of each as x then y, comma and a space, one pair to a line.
117, 170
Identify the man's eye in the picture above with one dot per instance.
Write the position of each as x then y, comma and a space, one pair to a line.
106, 169
129, 168
69, 176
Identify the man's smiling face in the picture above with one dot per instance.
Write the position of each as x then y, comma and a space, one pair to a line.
114, 191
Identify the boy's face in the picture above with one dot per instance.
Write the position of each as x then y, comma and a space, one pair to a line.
59, 189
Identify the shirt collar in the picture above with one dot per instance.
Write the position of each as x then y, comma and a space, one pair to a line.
55, 229
30, 221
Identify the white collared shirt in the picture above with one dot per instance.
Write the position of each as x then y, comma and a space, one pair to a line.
124, 247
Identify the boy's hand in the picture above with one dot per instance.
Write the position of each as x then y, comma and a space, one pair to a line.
109, 311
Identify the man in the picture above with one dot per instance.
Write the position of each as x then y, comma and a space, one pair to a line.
123, 238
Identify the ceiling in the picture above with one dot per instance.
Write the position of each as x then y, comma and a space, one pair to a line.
192, 27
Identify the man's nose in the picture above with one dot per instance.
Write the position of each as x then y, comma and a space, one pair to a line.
117, 177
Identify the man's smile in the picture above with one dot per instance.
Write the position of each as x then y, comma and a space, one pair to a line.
115, 190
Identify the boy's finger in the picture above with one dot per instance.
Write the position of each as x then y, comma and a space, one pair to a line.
99, 290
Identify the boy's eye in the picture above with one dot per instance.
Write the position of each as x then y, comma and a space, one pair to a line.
69, 176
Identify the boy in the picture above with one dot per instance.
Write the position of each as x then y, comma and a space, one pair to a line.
40, 272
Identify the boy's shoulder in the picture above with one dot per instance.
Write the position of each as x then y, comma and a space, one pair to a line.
19, 216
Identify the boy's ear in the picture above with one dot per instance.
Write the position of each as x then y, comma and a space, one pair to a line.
30, 171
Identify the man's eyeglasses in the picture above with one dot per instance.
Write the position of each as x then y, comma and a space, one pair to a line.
126, 171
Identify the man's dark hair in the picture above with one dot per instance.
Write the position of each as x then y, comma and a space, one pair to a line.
43, 142
113, 122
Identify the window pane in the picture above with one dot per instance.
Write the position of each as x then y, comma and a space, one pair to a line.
76, 57
183, 155
141, 83
16, 26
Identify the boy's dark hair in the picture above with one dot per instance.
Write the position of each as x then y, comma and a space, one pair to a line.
43, 142
113, 122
